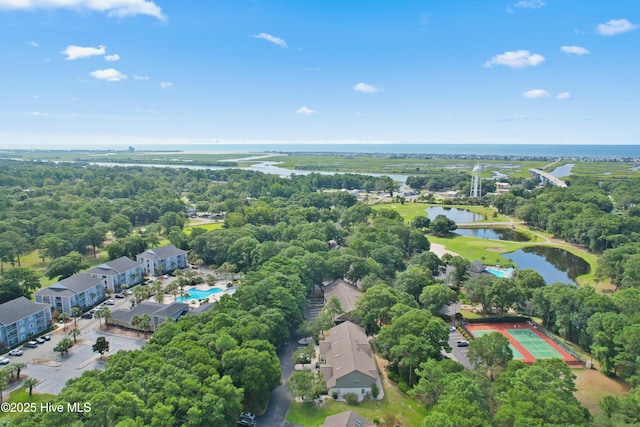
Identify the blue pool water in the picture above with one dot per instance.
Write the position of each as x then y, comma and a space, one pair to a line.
198, 294
508, 273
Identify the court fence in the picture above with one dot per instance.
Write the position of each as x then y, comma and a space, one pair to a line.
463, 322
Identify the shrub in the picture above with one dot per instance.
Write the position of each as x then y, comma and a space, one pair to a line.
404, 387
351, 398
374, 390
334, 394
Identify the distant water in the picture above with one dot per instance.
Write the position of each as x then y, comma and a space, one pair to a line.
598, 151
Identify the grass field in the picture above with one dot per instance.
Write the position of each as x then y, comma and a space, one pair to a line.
21, 395
208, 226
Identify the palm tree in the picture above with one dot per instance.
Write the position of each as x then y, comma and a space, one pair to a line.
139, 293
105, 313
63, 318
135, 321
74, 333
18, 366
75, 312
145, 323
31, 383
4, 381
98, 315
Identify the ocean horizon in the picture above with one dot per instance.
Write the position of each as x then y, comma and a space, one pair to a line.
535, 150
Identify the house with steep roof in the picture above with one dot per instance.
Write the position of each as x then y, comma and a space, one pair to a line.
347, 362
21, 319
347, 294
118, 272
159, 313
347, 419
81, 290
162, 260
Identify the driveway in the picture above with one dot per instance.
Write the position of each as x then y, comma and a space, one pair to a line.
459, 354
281, 398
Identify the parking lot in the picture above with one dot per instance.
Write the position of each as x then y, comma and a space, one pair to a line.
54, 370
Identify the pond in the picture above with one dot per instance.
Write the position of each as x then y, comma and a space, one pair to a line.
562, 171
553, 264
493, 234
454, 214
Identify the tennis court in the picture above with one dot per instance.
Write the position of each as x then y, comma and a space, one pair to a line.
527, 343
534, 344
516, 353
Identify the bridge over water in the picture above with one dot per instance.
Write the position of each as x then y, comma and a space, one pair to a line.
545, 177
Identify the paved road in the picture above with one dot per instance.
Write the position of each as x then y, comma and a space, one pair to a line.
459, 353
281, 398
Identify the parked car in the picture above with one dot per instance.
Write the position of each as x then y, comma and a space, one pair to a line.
87, 315
128, 292
109, 302
4, 361
463, 343
452, 329
40, 340
31, 344
248, 416
47, 337
119, 295
16, 352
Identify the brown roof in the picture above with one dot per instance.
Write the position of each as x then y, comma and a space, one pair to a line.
347, 419
346, 349
347, 294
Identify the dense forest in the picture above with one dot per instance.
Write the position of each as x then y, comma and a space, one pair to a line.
287, 236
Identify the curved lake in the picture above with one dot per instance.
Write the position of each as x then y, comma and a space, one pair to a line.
493, 234
553, 264
562, 171
454, 214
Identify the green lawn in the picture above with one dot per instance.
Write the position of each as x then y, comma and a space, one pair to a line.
208, 226
408, 409
21, 395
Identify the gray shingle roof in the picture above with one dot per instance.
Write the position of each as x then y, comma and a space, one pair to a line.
115, 266
163, 252
347, 419
150, 308
347, 294
19, 308
346, 349
75, 284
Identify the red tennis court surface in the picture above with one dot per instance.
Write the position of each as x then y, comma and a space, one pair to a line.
529, 343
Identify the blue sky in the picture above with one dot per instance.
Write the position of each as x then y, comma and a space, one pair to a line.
77, 72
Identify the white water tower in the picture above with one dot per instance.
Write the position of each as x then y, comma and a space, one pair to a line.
476, 182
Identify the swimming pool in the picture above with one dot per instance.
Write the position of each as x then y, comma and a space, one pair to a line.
197, 294
508, 272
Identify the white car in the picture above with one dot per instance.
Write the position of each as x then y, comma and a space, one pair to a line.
4, 361
16, 352
109, 302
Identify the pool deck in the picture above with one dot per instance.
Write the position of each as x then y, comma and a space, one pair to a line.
220, 284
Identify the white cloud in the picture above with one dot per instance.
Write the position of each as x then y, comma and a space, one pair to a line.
272, 39
525, 4
166, 85
615, 26
564, 96
33, 43
305, 111
516, 59
113, 8
535, 94
112, 58
39, 114
136, 77
366, 88
576, 50
110, 75
75, 52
